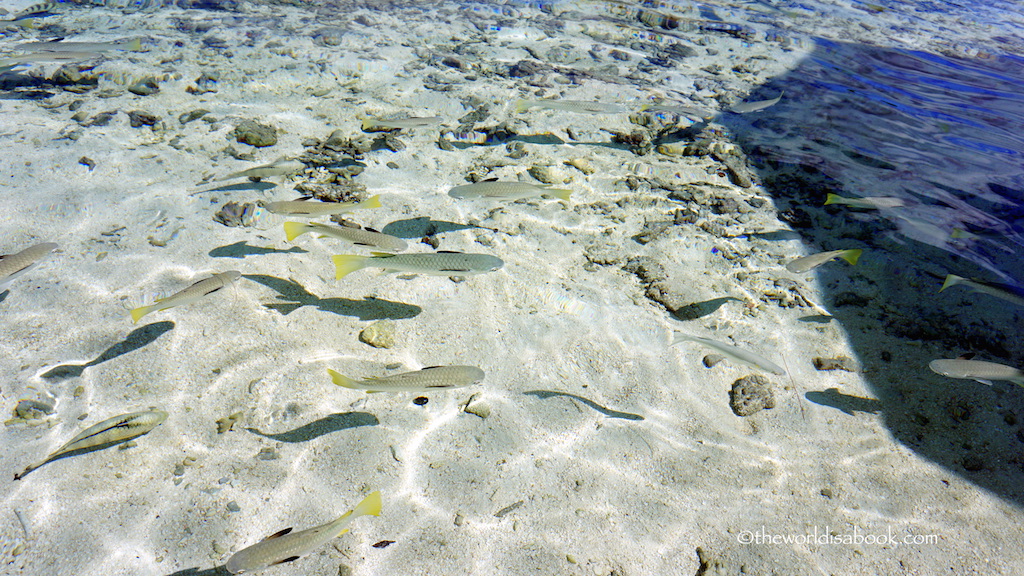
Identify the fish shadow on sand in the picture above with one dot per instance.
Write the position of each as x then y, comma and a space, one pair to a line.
80, 452
321, 427
4, 294
544, 394
295, 296
700, 309
844, 402
260, 186
136, 339
15, 85
242, 249
423, 226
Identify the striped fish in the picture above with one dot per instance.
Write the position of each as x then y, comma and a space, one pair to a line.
190, 294
432, 378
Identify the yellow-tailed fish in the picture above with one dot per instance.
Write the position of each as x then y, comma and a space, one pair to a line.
507, 190
806, 263
61, 46
431, 263
570, 106
378, 124
32, 57
867, 202
979, 370
288, 546
107, 433
432, 378
747, 107
1008, 292
314, 209
190, 294
733, 352
360, 236
14, 265
278, 168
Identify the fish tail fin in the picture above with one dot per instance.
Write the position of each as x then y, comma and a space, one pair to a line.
958, 234
134, 45
293, 230
852, 256
341, 380
559, 193
371, 202
833, 199
345, 264
680, 337
522, 105
138, 313
951, 280
369, 123
645, 107
369, 506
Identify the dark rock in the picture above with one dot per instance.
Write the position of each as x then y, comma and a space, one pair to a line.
101, 119
145, 87
207, 82
196, 114
525, 68
750, 395
138, 118
87, 162
838, 363
256, 134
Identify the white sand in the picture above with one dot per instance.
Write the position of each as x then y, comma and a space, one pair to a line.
600, 494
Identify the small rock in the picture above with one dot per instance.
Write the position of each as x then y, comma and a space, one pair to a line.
750, 395
205, 83
268, 454
712, 360
838, 363
480, 409
145, 87
138, 118
196, 114
234, 507
421, 400
380, 334
582, 164
87, 162
546, 174
255, 134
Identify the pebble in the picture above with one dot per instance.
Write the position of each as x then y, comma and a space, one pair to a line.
145, 87
139, 118
380, 334
750, 395
255, 134
268, 454
233, 507
480, 409
838, 363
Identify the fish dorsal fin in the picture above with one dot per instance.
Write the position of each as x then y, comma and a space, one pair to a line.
432, 367
382, 254
368, 229
288, 559
448, 252
492, 179
279, 534
967, 356
303, 199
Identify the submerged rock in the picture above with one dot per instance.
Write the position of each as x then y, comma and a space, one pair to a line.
380, 334
750, 395
256, 134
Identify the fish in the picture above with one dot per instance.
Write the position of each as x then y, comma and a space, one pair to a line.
190, 294
748, 107
432, 263
42, 8
569, 106
432, 378
315, 209
379, 125
979, 370
111, 431
33, 57
507, 190
807, 263
287, 546
738, 354
1007, 292
279, 168
360, 236
678, 110
867, 202
14, 265
61, 46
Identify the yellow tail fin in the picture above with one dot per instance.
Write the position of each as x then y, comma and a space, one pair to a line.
371, 505
345, 264
371, 202
522, 105
833, 199
951, 280
138, 313
134, 45
852, 256
368, 123
343, 381
559, 193
293, 230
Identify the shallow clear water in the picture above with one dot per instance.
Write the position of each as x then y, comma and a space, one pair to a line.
597, 443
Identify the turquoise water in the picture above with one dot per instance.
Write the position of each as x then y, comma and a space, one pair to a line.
596, 443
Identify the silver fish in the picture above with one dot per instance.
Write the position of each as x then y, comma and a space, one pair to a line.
315, 209
380, 125
867, 202
570, 106
507, 190
432, 263
730, 351
979, 370
1008, 292
807, 263
190, 294
278, 168
112, 430
32, 57
432, 378
60, 46
14, 265
360, 236
286, 546
41, 8
747, 107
